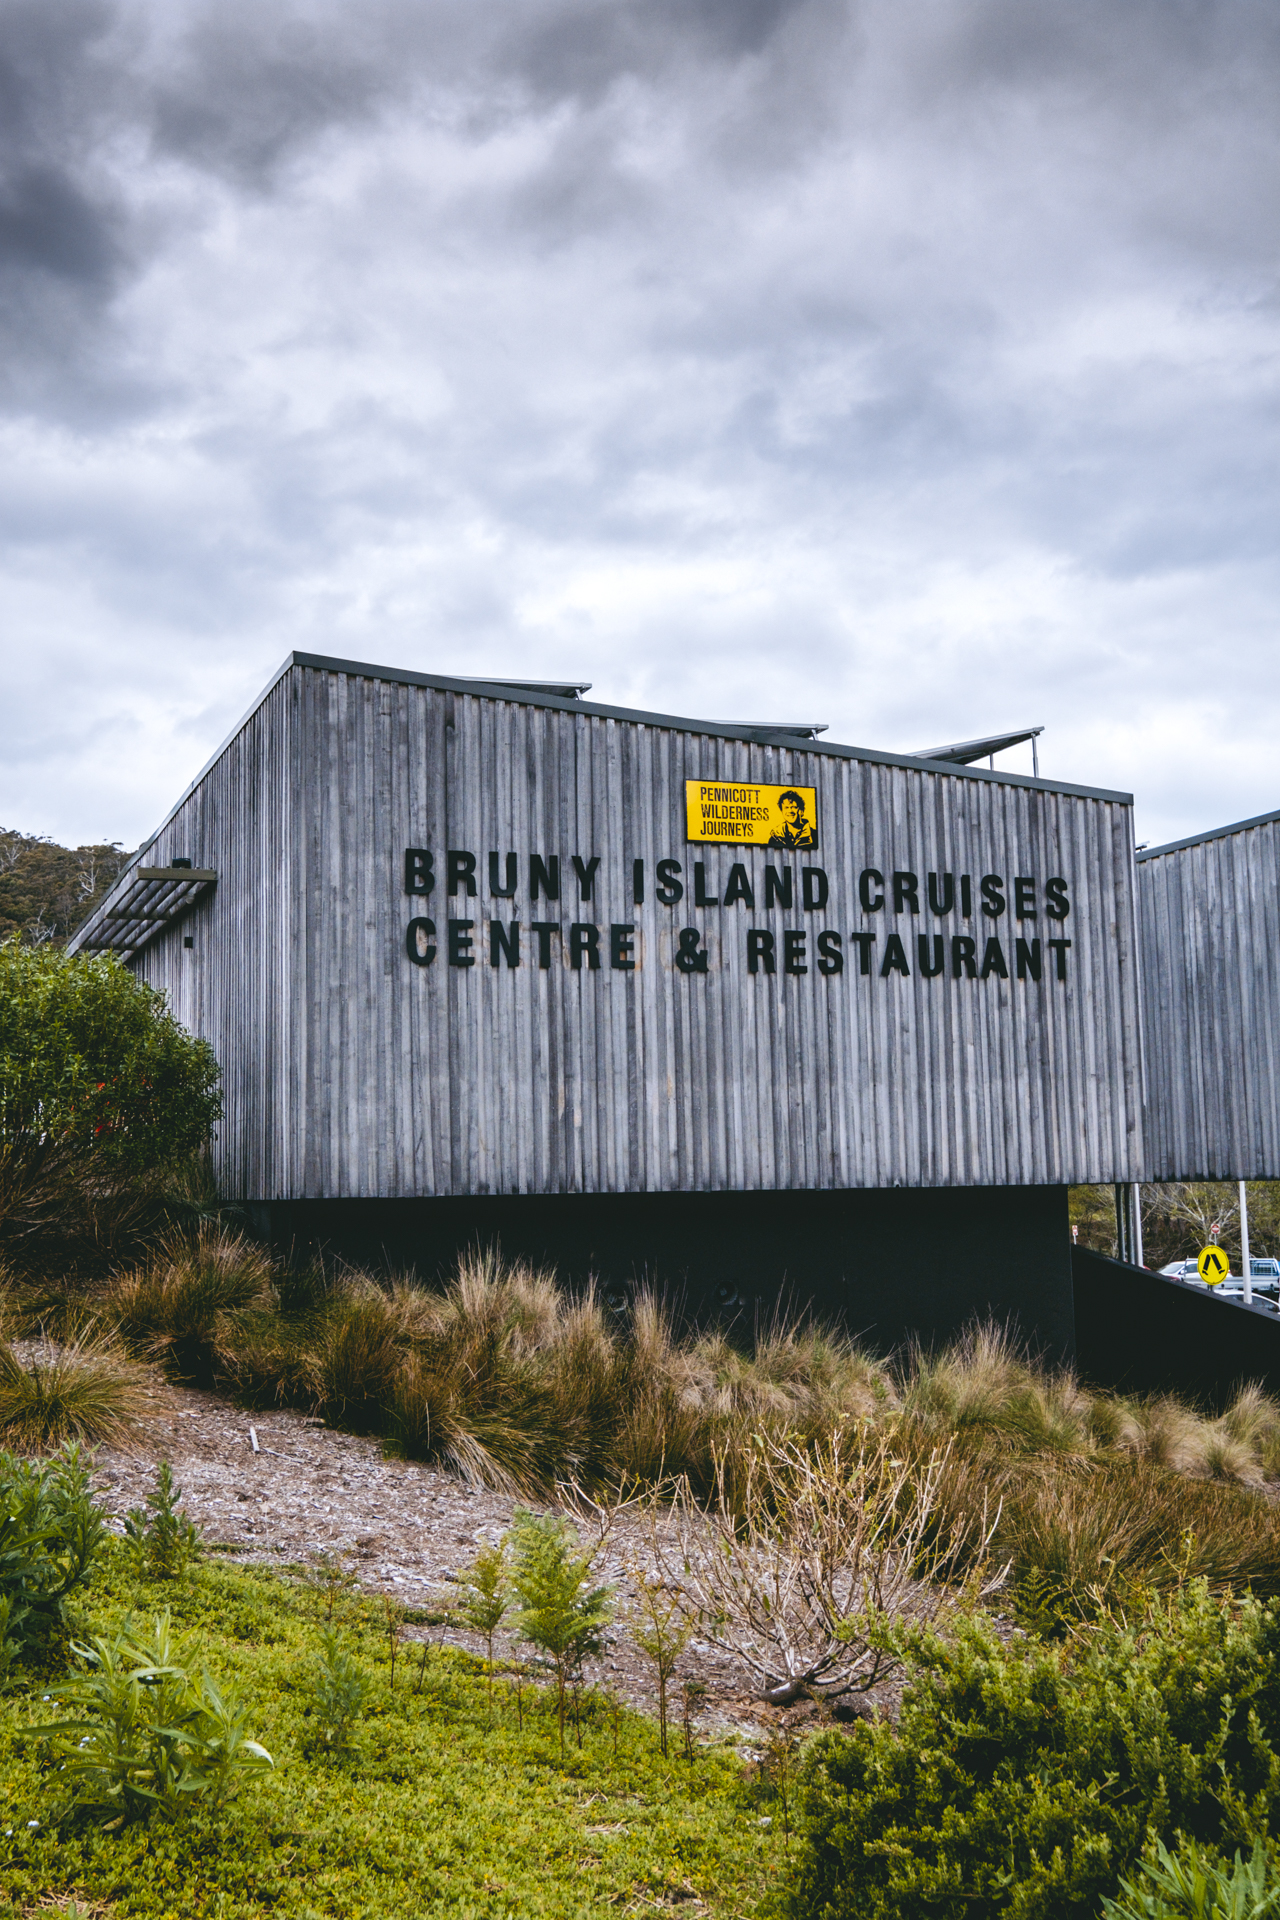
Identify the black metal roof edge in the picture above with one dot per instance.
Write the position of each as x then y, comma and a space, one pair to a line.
518, 696
1213, 833
721, 729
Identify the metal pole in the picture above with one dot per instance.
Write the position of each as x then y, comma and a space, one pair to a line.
1136, 1191
1035, 760
1121, 1235
1246, 1271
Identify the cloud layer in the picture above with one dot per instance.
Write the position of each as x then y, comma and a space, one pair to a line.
909, 367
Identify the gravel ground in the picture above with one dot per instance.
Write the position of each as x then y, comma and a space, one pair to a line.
404, 1528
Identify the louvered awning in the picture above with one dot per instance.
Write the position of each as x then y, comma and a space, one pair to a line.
148, 900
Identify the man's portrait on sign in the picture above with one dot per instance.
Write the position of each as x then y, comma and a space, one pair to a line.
797, 830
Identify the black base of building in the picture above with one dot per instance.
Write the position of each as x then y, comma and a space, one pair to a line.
1140, 1332
891, 1265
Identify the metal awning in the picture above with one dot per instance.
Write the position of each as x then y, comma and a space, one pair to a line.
146, 901
965, 752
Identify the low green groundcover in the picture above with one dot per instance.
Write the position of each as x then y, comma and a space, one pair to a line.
434, 1811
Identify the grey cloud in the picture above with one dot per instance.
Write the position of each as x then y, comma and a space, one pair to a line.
929, 345
46, 222
251, 86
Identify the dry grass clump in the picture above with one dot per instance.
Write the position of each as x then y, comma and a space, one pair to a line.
516, 1383
985, 1388
983, 1383
1104, 1535
172, 1308
87, 1391
1103, 1497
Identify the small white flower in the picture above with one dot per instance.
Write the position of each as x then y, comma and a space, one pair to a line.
33, 1823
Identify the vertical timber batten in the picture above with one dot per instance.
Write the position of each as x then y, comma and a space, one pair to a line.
1210, 912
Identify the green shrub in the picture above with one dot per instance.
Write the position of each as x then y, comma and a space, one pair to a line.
1025, 1778
158, 1738
50, 1530
485, 1599
1190, 1885
560, 1613
97, 1079
163, 1541
337, 1695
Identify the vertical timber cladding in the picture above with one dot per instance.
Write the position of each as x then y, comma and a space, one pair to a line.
235, 984
1210, 912
429, 1064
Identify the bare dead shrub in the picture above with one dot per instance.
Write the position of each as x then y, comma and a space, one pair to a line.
827, 1540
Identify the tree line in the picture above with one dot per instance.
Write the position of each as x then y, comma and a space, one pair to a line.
46, 890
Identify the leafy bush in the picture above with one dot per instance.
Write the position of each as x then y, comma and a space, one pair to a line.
96, 1078
50, 1530
1024, 1778
158, 1737
87, 1390
1190, 1885
163, 1541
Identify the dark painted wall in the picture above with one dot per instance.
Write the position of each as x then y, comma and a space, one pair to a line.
890, 1264
1139, 1331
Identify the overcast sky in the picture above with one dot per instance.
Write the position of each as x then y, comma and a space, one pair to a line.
912, 366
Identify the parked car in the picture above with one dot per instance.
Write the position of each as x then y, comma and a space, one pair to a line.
1264, 1275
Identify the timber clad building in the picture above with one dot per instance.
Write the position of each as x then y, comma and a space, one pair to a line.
711, 1005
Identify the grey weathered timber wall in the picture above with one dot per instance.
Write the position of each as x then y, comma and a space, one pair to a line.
237, 982
352, 1072
1210, 913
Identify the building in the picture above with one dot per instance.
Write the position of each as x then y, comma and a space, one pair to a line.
1210, 917
718, 1006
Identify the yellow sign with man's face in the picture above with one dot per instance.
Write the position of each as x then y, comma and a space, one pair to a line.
752, 816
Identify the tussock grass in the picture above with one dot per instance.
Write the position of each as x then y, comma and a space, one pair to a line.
1104, 1536
172, 1309
517, 1384
88, 1391
1104, 1498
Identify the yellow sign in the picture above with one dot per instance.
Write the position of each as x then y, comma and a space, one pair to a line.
752, 816
1213, 1266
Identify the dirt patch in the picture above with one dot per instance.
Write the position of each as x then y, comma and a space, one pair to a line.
406, 1529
